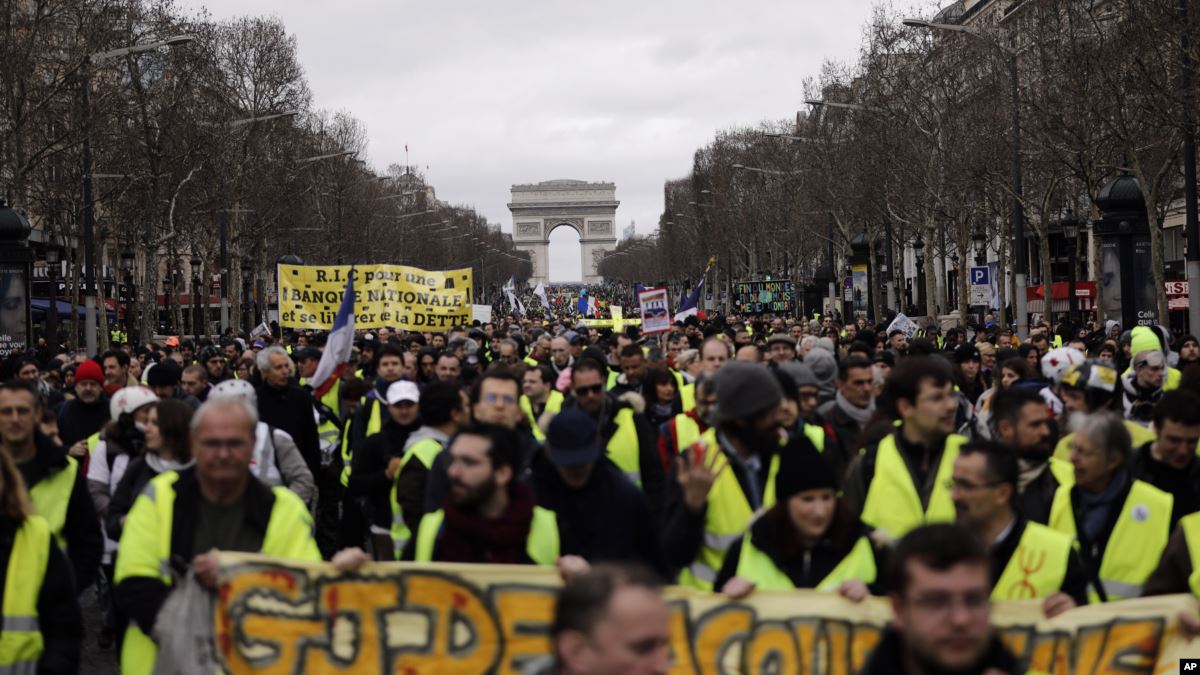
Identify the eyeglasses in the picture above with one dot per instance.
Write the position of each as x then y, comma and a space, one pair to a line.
590, 389
493, 399
968, 486
944, 603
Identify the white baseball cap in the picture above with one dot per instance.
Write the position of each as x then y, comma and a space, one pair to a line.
403, 390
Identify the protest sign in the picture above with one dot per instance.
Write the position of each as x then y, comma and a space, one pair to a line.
481, 313
765, 297
386, 296
656, 315
904, 324
272, 616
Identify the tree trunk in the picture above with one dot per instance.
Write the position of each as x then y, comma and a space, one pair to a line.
1047, 277
930, 278
1156, 260
1002, 272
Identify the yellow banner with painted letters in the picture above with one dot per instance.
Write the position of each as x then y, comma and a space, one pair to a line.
271, 616
385, 296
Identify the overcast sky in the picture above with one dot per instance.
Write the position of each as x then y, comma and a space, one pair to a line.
487, 94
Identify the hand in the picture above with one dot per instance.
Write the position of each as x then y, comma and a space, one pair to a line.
393, 467
1189, 625
696, 480
79, 450
1056, 604
737, 588
571, 566
350, 559
206, 567
854, 590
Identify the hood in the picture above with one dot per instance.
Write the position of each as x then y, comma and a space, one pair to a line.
426, 432
632, 399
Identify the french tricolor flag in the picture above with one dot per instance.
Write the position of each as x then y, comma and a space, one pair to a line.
338, 346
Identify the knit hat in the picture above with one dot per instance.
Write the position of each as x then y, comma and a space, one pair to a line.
165, 374
964, 353
1144, 339
800, 373
802, 468
573, 439
826, 344
782, 337
89, 370
745, 390
823, 365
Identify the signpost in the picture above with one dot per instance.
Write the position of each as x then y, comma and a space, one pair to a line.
981, 285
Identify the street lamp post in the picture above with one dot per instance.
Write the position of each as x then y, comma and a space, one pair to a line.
89, 203
919, 253
1021, 262
53, 261
197, 310
127, 258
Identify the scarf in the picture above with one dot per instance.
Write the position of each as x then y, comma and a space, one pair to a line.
468, 537
859, 415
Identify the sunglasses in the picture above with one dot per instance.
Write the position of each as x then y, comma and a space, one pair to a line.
590, 389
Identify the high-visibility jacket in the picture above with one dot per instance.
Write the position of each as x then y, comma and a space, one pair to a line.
687, 391
612, 380
553, 405
1060, 505
21, 637
758, 567
687, 431
146, 550
727, 515
329, 427
1135, 544
893, 503
424, 451
374, 425
1190, 524
531, 362
92, 442
623, 448
1037, 566
52, 494
542, 545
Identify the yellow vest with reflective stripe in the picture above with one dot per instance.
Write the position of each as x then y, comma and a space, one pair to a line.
146, 550
687, 397
425, 451
687, 431
1037, 566
51, 495
612, 380
374, 424
92, 442
727, 515
1136, 543
542, 544
553, 405
623, 448
815, 435
530, 361
758, 568
1060, 505
21, 636
893, 503
1190, 524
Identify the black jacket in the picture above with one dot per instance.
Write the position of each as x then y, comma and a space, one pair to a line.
606, 520
290, 409
59, 617
845, 432
82, 526
140, 598
78, 420
1033, 503
137, 474
1183, 485
368, 477
653, 480
888, 658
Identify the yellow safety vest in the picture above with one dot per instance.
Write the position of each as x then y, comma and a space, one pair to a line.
1170, 381
687, 391
1037, 566
50, 497
374, 424
425, 451
530, 361
92, 442
757, 567
687, 431
553, 405
815, 435
893, 503
146, 550
21, 637
726, 517
612, 380
623, 448
1060, 505
542, 544
1190, 524
1135, 544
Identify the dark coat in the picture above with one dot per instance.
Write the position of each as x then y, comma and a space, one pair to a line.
888, 657
290, 409
368, 477
78, 420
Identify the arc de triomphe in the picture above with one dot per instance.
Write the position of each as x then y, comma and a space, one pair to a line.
589, 208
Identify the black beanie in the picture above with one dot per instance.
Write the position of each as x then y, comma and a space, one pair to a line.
801, 468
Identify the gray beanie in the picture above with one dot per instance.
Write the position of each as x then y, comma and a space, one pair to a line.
745, 390
826, 344
823, 365
800, 373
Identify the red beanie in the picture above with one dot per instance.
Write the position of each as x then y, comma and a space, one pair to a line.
89, 370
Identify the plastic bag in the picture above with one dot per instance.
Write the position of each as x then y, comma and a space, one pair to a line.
183, 631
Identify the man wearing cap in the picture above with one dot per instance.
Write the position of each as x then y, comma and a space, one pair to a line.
87, 413
443, 412
570, 477
781, 348
726, 476
379, 460
164, 378
902, 481
1143, 384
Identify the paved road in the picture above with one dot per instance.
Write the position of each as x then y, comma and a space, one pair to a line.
95, 661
